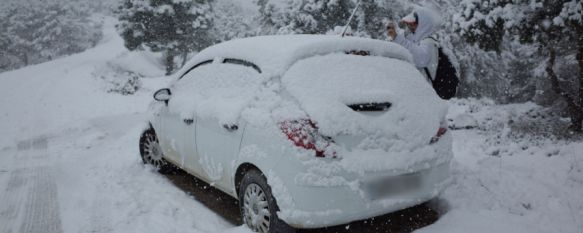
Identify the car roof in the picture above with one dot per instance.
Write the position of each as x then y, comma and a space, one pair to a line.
275, 54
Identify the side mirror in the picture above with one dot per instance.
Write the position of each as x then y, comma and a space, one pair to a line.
163, 94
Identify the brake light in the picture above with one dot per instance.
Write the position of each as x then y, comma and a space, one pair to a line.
440, 132
304, 133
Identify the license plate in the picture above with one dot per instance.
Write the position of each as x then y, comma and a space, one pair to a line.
393, 186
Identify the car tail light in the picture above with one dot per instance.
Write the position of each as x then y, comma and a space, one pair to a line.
304, 133
440, 132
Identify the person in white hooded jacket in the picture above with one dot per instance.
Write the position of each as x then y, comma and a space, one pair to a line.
422, 23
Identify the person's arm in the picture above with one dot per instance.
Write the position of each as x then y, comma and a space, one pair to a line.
420, 51
391, 30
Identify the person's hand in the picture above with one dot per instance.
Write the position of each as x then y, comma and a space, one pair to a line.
392, 30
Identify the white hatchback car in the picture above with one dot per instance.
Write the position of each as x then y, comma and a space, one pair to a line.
305, 131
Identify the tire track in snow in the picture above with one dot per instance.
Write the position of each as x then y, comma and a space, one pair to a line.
101, 211
12, 199
41, 213
32, 148
29, 202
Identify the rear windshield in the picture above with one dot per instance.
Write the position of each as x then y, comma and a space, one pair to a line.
352, 79
336, 89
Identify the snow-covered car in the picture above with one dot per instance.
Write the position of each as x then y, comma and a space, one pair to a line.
305, 131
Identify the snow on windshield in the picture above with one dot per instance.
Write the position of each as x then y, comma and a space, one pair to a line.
325, 85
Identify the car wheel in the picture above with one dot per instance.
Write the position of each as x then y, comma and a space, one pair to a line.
258, 206
151, 152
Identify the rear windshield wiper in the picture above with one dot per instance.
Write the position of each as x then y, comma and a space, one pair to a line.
358, 52
370, 107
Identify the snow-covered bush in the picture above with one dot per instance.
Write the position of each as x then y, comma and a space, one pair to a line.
508, 124
123, 74
115, 79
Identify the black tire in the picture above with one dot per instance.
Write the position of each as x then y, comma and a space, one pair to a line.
253, 179
151, 152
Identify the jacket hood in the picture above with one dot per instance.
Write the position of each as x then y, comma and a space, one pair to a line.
428, 22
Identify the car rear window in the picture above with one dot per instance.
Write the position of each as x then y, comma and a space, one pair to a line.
339, 90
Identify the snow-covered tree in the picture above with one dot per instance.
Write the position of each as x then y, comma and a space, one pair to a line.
303, 16
8, 59
229, 23
170, 26
372, 17
38, 31
554, 27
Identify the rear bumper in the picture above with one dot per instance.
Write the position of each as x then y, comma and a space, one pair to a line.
315, 207
313, 194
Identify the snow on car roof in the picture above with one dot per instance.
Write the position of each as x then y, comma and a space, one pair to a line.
274, 54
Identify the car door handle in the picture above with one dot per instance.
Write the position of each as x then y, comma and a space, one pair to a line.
188, 121
231, 128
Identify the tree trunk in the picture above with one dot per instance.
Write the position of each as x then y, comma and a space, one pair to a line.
25, 58
184, 57
579, 33
575, 110
169, 63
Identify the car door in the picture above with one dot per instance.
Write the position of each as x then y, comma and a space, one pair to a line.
219, 128
177, 118
219, 145
169, 135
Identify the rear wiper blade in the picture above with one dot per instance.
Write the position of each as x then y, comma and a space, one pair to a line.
370, 107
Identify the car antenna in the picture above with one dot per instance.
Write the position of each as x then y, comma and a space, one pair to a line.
351, 16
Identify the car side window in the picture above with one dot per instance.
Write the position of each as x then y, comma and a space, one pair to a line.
196, 66
219, 90
242, 62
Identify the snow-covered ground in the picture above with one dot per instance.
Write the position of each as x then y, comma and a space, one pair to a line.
505, 181
70, 163
69, 155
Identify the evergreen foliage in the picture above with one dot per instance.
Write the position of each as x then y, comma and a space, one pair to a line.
229, 23
555, 27
175, 27
303, 16
372, 18
38, 31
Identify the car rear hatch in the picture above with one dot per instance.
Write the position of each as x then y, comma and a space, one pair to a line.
366, 103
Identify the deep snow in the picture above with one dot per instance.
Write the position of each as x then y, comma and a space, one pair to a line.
59, 124
65, 136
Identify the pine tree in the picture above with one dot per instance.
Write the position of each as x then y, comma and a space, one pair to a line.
267, 17
38, 31
334, 13
303, 16
298, 17
174, 27
372, 17
229, 23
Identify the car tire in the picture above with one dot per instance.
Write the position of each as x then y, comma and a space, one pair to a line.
258, 206
151, 152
